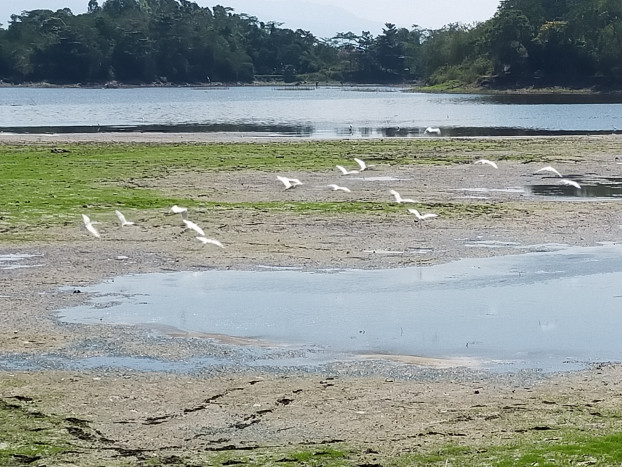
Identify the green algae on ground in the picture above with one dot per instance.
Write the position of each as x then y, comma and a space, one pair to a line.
38, 184
48, 185
555, 448
29, 435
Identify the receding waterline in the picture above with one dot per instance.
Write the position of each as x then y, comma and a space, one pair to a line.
535, 310
301, 131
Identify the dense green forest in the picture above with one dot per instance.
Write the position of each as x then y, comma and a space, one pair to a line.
573, 43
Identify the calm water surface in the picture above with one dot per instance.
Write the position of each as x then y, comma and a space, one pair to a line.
545, 310
325, 112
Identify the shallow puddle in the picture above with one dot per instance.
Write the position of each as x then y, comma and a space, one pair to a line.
549, 310
609, 187
16, 261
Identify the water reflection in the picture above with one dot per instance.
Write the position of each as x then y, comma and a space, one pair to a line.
535, 310
285, 130
323, 112
606, 187
553, 98
305, 131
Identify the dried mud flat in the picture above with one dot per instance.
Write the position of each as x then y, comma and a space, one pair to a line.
377, 410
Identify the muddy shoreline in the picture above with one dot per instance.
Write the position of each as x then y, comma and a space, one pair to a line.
390, 408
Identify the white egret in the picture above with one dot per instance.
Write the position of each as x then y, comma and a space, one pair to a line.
399, 199
193, 226
123, 220
361, 164
289, 182
179, 210
211, 241
422, 217
432, 131
565, 181
486, 161
339, 188
548, 168
345, 171
89, 226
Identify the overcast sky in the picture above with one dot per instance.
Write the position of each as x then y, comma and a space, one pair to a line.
323, 18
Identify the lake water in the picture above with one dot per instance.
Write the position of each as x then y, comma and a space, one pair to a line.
325, 112
549, 310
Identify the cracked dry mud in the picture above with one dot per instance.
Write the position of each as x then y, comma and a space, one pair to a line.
378, 409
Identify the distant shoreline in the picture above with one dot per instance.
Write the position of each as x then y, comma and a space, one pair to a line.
408, 87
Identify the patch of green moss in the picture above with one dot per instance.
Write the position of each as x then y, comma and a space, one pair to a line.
565, 447
28, 435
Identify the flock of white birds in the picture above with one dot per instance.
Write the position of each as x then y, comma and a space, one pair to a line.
294, 182
291, 183
548, 168
90, 225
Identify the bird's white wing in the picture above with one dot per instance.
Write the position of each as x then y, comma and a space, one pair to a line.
548, 168
398, 197
122, 218
345, 171
178, 210
86, 219
289, 182
193, 226
285, 181
565, 181
422, 217
92, 229
486, 161
212, 241
361, 163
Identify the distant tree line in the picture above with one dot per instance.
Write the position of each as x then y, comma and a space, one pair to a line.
526, 43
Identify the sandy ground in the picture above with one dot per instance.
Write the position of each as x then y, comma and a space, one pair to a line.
378, 409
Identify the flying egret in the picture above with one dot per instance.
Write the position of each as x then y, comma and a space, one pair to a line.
211, 241
289, 182
179, 210
339, 188
345, 171
432, 131
422, 217
565, 181
486, 161
399, 199
193, 226
123, 220
361, 164
89, 226
548, 168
